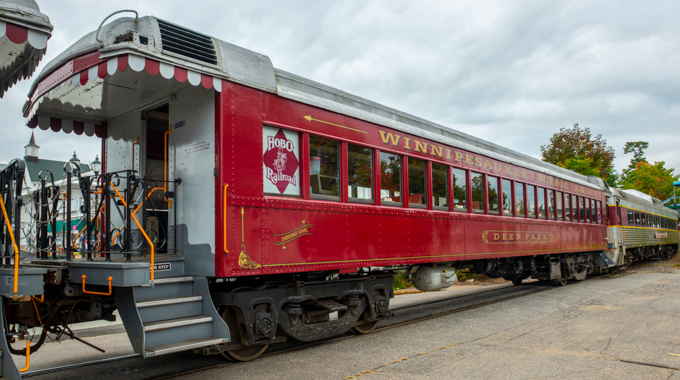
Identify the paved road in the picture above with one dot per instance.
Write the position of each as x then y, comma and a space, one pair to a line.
624, 327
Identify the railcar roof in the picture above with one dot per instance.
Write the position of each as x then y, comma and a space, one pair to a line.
240, 65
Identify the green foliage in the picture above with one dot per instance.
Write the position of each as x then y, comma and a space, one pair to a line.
654, 180
401, 281
465, 274
575, 148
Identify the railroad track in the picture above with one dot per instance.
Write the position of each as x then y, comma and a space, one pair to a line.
402, 316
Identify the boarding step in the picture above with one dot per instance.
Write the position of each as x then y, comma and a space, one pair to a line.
175, 314
173, 323
168, 301
184, 346
169, 280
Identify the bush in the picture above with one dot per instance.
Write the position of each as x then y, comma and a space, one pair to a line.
465, 274
401, 280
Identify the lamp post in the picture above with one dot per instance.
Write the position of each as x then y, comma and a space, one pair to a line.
96, 165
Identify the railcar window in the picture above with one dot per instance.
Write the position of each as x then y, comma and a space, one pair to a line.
579, 214
531, 201
588, 209
492, 191
567, 206
440, 187
541, 202
558, 203
360, 173
324, 167
519, 199
631, 217
637, 219
477, 184
417, 183
507, 197
599, 212
459, 190
551, 205
390, 179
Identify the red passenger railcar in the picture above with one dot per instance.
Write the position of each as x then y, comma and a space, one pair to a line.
262, 205
313, 223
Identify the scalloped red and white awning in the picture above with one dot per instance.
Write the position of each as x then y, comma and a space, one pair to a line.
21, 49
88, 69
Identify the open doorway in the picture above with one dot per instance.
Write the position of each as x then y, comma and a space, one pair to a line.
155, 170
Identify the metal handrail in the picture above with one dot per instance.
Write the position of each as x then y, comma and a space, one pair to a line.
151, 245
98, 293
224, 222
16, 248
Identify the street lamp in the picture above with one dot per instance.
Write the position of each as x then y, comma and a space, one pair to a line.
96, 165
75, 159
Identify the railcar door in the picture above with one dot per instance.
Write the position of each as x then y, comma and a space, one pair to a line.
156, 167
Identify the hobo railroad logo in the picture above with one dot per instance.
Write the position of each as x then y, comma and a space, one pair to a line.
280, 161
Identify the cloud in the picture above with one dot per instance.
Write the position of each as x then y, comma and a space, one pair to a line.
512, 73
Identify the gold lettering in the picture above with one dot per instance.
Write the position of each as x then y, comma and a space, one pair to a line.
498, 167
496, 237
487, 165
468, 159
525, 174
478, 161
407, 143
505, 237
508, 169
459, 156
389, 138
448, 154
516, 172
436, 151
421, 147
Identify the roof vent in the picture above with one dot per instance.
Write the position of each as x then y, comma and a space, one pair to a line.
187, 43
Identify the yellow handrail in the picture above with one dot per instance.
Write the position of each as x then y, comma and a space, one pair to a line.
225, 218
28, 356
98, 293
16, 248
153, 250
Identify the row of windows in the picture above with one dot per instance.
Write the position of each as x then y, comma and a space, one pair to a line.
472, 192
643, 219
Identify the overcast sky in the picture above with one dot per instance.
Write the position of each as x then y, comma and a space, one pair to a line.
511, 72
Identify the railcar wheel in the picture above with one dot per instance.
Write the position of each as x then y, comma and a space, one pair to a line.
564, 278
364, 327
517, 281
240, 354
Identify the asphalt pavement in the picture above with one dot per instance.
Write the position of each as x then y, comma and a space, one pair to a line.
613, 327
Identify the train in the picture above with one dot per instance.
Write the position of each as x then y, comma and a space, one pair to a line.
238, 205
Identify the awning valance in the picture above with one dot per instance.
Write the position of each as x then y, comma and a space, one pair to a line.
88, 74
21, 49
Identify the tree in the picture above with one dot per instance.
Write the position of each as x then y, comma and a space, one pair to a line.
638, 150
576, 149
654, 180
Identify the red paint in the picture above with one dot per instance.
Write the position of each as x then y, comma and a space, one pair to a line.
55, 124
17, 34
345, 236
78, 127
102, 70
153, 67
122, 62
181, 74
206, 81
